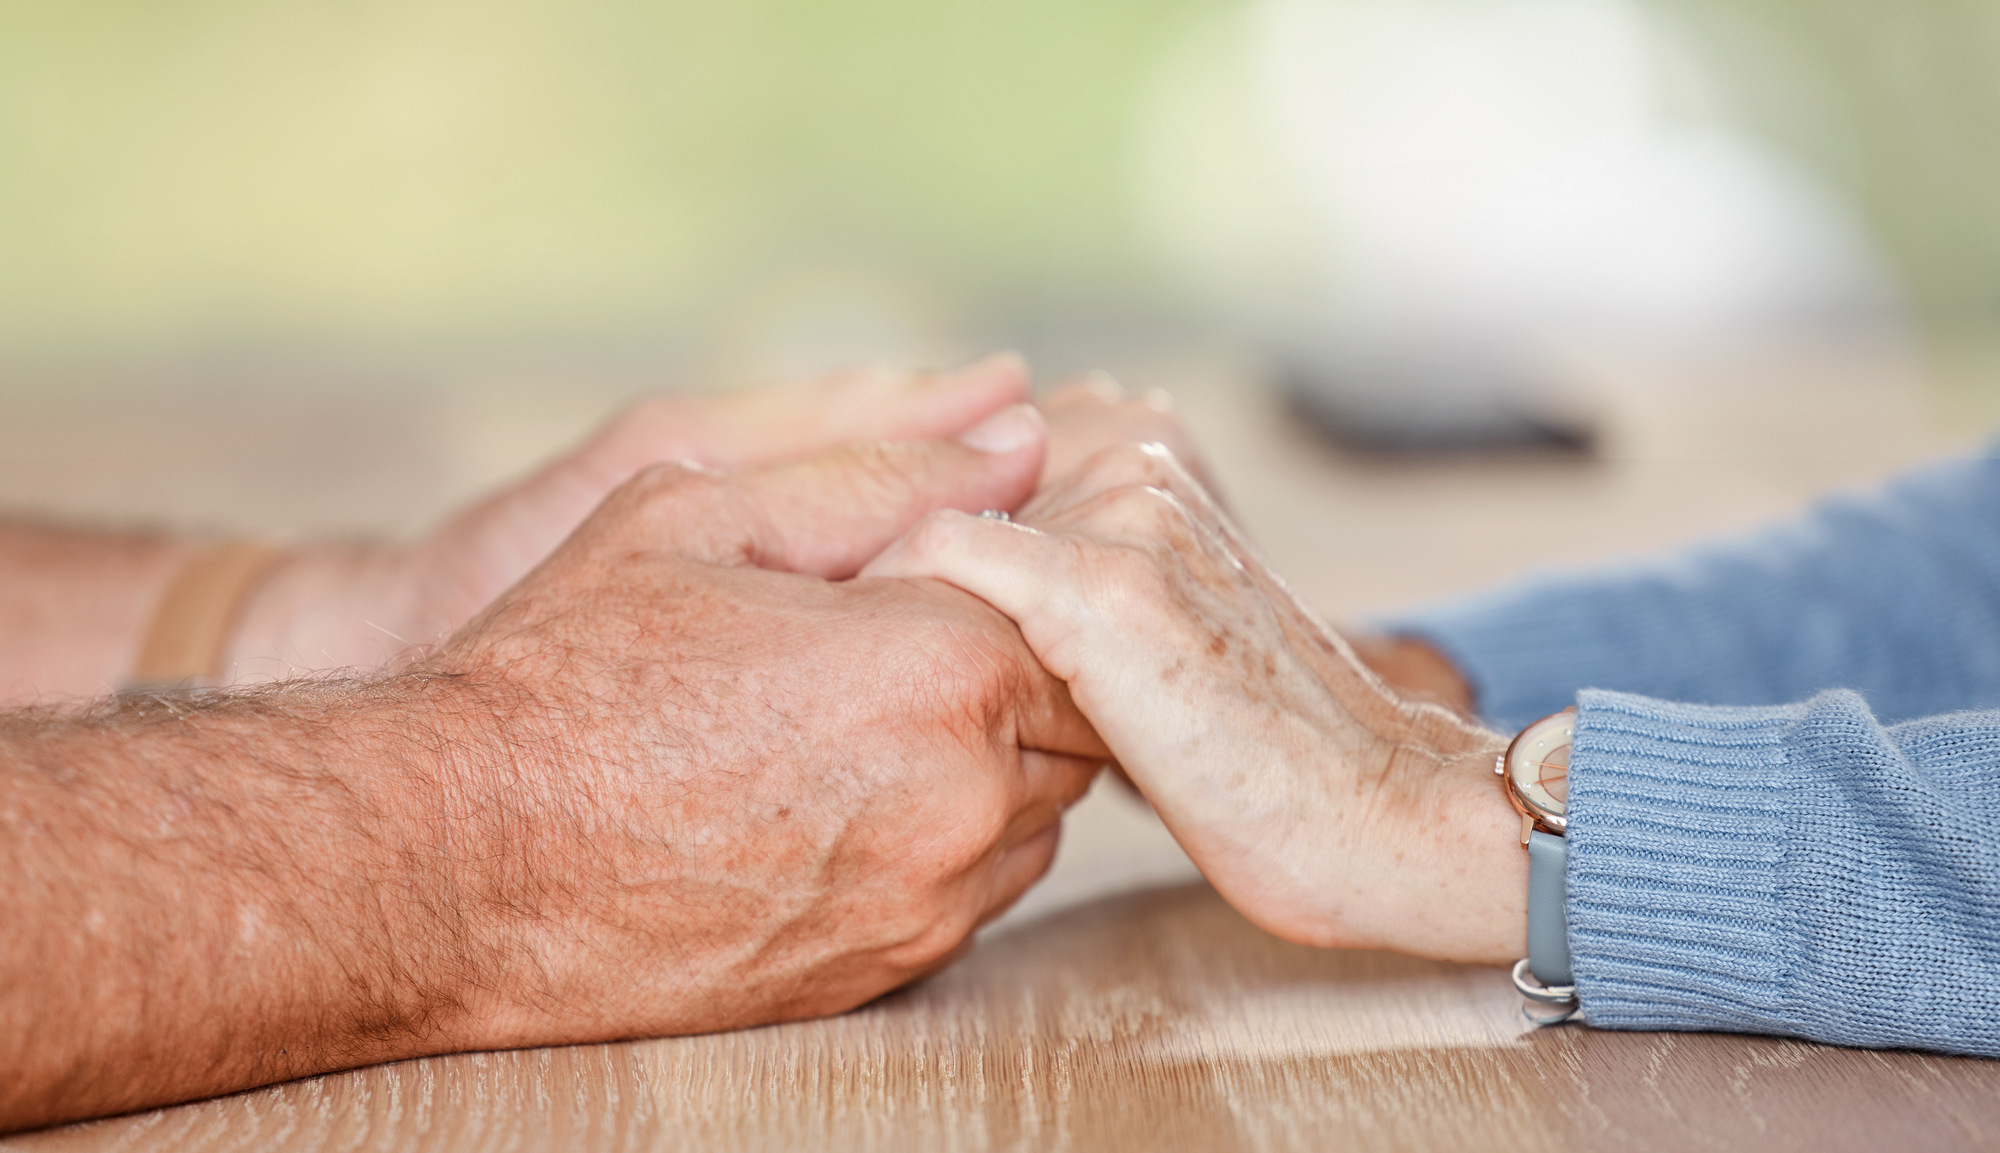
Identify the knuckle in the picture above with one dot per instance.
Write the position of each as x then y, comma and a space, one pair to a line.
1167, 446
1153, 418
1129, 463
683, 507
670, 476
662, 489
936, 535
1149, 510
1132, 579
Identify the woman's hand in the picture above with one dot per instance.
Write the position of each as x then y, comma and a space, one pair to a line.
1321, 805
364, 606
1096, 412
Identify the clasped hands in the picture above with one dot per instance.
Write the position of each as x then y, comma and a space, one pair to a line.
783, 721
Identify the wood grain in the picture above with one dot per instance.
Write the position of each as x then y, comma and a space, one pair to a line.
1121, 1006
1149, 1020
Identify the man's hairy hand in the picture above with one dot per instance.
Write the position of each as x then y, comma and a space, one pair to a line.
682, 777
756, 795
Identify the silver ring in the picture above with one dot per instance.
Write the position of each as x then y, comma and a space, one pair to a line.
999, 514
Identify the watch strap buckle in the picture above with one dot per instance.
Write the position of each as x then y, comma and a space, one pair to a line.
1547, 1004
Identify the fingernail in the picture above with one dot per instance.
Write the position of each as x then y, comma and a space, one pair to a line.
1010, 430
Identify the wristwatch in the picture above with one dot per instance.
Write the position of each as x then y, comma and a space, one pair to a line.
1535, 771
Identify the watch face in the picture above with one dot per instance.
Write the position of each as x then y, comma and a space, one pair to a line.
1538, 767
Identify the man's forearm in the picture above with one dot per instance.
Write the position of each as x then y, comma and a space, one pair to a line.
201, 897
73, 604
655, 788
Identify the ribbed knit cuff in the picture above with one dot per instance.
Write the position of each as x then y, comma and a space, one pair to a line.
1677, 837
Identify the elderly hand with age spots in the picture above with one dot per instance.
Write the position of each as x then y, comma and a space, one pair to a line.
1324, 806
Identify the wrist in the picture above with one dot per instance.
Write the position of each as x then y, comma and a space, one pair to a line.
512, 876
1403, 846
1481, 869
480, 838
1459, 889
1427, 862
327, 607
1448, 878
413, 876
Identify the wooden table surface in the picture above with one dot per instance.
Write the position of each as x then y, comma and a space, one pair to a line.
1121, 1005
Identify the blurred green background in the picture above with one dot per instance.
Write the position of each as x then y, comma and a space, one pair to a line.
208, 174
1897, 103
182, 177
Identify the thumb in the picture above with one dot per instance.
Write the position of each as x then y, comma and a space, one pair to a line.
828, 515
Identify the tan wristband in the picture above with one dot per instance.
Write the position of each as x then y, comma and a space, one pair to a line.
188, 639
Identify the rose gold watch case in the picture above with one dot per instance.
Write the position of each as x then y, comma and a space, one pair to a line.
1535, 769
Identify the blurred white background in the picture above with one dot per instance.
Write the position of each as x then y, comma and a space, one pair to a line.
655, 185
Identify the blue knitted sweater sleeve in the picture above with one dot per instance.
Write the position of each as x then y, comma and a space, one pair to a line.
1798, 869
1775, 853
1895, 594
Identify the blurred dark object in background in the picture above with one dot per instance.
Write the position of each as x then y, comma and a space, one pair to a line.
1440, 406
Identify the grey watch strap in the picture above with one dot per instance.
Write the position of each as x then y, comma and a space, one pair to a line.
1548, 925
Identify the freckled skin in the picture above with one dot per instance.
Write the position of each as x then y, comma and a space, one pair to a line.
1320, 803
